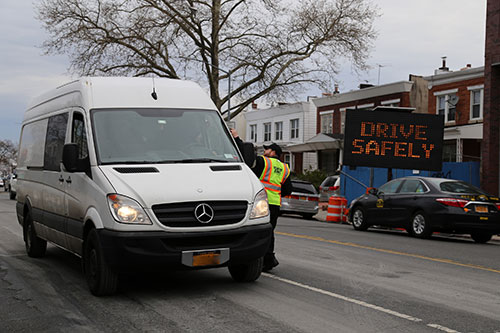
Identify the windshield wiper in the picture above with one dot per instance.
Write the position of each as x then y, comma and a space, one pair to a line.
199, 160
128, 162
187, 160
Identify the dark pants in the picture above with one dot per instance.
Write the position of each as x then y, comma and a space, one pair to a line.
275, 212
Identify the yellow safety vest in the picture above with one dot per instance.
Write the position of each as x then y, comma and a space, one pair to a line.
274, 174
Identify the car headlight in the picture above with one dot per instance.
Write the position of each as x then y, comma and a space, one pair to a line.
126, 210
260, 206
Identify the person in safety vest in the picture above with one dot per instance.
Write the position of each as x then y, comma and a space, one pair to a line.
274, 175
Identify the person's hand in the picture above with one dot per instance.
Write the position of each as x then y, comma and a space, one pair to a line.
234, 133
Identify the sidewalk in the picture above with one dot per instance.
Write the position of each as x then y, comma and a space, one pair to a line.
321, 216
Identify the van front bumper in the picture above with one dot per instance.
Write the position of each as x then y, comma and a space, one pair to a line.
159, 251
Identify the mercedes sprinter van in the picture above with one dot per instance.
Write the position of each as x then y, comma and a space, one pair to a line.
136, 174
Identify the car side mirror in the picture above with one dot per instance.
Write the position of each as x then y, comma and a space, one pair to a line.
248, 153
71, 161
373, 191
70, 157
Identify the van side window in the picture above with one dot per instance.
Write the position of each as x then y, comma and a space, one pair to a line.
54, 142
32, 144
79, 135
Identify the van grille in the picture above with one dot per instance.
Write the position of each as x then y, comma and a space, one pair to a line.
182, 214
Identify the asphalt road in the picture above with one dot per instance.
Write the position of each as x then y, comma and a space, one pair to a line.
330, 279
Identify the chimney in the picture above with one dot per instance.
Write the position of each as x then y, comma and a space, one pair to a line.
468, 66
443, 68
254, 106
336, 91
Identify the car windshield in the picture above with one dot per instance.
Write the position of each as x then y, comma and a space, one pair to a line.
161, 136
330, 181
303, 188
459, 187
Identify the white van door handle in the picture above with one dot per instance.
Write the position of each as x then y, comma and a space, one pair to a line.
68, 180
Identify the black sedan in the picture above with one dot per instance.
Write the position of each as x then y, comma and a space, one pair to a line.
423, 205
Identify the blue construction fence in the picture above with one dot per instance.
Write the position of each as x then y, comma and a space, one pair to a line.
466, 171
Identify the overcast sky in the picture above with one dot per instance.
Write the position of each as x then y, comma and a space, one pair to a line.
413, 36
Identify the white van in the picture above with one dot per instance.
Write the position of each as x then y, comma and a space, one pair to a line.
132, 174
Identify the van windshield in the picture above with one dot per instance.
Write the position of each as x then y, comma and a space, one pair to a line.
144, 136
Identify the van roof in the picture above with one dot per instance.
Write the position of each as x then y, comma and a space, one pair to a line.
121, 92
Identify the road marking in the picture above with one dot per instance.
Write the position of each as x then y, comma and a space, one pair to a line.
442, 328
358, 302
446, 261
344, 298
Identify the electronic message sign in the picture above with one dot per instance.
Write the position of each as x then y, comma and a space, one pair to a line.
393, 139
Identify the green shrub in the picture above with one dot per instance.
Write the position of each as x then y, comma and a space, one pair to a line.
313, 176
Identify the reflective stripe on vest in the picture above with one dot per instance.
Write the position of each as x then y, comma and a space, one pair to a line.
273, 175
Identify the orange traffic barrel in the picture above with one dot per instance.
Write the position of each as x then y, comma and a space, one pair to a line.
337, 209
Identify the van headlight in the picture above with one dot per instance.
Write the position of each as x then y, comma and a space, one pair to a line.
260, 206
126, 210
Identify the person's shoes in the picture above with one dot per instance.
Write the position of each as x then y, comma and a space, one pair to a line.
270, 263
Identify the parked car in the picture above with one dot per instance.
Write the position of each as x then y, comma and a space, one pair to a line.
2, 183
423, 205
304, 200
11, 187
330, 186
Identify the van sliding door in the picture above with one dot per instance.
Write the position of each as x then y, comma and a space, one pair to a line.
54, 206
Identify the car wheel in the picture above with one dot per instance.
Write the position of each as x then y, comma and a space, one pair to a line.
359, 219
247, 272
308, 216
481, 237
35, 246
100, 278
419, 225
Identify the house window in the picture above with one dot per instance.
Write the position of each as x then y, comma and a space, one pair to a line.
253, 133
327, 123
278, 131
476, 104
294, 129
267, 132
342, 121
446, 105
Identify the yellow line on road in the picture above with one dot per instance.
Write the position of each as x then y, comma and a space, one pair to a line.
446, 261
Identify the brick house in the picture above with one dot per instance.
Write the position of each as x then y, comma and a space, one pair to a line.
491, 130
459, 97
331, 109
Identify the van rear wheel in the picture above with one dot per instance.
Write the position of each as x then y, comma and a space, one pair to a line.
100, 278
35, 246
247, 272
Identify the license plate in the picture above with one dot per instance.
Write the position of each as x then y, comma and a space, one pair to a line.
303, 198
481, 209
206, 259
200, 258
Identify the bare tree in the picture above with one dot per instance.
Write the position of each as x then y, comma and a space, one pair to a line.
268, 47
8, 152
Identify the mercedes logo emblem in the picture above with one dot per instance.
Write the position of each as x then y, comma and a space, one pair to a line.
204, 213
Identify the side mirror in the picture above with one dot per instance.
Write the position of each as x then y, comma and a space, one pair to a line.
70, 157
248, 153
372, 191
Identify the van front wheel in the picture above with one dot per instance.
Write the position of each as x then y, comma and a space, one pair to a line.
100, 278
247, 272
